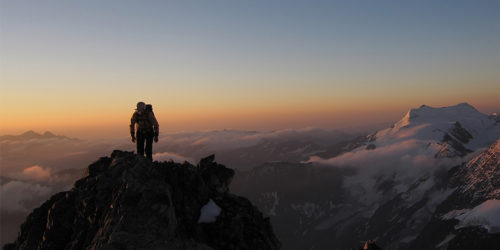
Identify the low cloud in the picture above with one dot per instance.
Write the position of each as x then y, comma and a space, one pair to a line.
228, 139
166, 156
408, 155
22, 196
37, 173
404, 163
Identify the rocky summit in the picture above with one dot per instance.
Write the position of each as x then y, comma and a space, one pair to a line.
128, 202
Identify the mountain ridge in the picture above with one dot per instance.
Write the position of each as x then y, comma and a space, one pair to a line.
127, 201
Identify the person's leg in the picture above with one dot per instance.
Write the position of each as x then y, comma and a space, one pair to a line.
149, 146
140, 144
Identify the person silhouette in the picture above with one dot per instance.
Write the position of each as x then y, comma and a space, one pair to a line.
147, 129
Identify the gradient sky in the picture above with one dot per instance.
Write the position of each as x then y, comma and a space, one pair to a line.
79, 67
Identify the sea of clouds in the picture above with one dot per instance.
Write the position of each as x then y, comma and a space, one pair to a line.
34, 169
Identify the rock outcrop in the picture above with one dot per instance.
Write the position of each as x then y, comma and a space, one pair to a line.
369, 245
129, 202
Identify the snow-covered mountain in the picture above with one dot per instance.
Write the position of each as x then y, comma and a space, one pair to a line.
388, 184
443, 132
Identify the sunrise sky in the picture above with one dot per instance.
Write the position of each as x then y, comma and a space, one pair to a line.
79, 67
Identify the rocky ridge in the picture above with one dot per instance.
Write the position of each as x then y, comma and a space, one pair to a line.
129, 202
463, 220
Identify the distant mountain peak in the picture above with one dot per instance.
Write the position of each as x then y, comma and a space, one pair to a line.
48, 134
459, 109
444, 132
461, 105
30, 134
428, 114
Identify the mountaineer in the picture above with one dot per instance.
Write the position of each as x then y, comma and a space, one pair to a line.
147, 129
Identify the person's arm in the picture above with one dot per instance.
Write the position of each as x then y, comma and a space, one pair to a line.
156, 126
133, 120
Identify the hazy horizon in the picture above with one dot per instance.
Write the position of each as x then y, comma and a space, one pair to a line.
361, 123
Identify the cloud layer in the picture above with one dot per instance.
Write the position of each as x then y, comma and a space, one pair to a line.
409, 164
406, 156
22, 196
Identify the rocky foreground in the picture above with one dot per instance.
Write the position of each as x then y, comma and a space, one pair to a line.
129, 202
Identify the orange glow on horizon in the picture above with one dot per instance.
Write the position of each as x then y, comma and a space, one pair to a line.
173, 115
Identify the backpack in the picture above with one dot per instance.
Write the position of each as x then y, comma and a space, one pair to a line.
143, 121
149, 108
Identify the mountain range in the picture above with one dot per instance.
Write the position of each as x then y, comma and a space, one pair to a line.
408, 186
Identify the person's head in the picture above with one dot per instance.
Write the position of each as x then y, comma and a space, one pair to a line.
141, 106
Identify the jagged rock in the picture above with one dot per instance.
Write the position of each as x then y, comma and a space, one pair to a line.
218, 176
461, 133
495, 117
207, 161
451, 147
453, 142
129, 202
369, 245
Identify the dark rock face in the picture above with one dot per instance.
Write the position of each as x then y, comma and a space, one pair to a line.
295, 196
128, 202
453, 142
461, 133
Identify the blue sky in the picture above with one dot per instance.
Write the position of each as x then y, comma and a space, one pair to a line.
250, 55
